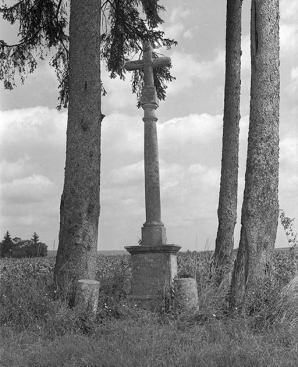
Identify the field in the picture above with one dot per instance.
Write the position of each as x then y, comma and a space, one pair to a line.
37, 330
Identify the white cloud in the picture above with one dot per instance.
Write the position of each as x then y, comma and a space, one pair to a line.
122, 132
177, 26
293, 86
26, 190
288, 10
119, 94
188, 70
16, 168
182, 137
192, 129
288, 28
128, 175
245, 57
289, 151
294, 74
36, 124
179, 13
31, 165
288, 39
174, 30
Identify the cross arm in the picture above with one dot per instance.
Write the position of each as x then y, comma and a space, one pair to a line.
159, 62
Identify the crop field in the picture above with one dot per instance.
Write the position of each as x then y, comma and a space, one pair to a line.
37, 330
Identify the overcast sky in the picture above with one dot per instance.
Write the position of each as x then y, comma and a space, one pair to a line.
33, 136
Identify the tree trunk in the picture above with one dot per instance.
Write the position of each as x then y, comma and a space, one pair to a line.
80, 207
227, 207
260, 204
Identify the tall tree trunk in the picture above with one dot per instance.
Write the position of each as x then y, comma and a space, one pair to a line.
260, 204
80, 207
227, 207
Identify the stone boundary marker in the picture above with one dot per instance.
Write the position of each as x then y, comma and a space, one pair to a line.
87, 293
186, 295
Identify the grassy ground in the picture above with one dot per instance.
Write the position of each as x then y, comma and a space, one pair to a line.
37, 331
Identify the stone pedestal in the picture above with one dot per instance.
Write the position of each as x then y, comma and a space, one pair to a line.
153, 235
153, 271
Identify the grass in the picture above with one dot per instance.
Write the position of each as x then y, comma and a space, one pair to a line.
38, 331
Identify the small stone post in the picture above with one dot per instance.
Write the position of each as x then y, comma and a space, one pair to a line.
86, 300
186, 295
154, 263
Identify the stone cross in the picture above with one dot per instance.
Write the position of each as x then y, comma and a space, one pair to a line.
153, 231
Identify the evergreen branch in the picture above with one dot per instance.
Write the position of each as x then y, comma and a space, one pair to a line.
43, 23
5, 8
58, 9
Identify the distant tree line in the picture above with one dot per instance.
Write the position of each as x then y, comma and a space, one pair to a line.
18, 248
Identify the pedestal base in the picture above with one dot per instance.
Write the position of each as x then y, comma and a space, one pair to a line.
153, 270
153, 235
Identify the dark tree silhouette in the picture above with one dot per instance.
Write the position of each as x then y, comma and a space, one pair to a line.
6, 246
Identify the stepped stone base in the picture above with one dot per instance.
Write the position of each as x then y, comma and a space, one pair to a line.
153, 271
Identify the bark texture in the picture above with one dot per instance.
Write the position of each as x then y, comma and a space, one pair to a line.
260, 204
227, 206
80, 207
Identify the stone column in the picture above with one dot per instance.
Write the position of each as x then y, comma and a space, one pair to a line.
153, 230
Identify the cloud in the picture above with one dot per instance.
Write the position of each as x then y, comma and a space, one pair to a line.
128, 175
190, 33
293, 86
289, 151
294, 74
36, 124
191, 139
193, 127
245, 57
27, 190
39, 89
182, 140
188, 70
119, 94
179, 13
288, 27
31, 167
288, 39
16, 168
288, 10
174, 31
178, 26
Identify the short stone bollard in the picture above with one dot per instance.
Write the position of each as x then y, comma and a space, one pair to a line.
86, 300
186, 295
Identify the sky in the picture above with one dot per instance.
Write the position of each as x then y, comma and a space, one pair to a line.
33, 138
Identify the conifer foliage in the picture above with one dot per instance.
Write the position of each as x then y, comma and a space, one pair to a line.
6, 245
43, 29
